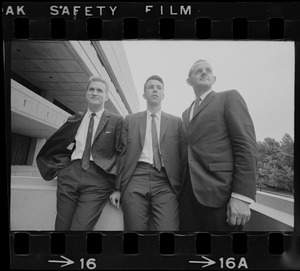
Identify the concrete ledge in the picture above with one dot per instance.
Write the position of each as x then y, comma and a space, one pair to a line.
33, 207
274, 214
32, 183
281, 203
16, 170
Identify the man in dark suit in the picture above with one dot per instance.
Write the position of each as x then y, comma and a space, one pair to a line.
149, 176
219, 157
83, 154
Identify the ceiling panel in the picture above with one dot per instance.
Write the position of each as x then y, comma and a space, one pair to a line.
64, 65
44, 65
55, 77
68, 93
54, 68
52, 86
35, 77
41, 50
30, 65
50, 65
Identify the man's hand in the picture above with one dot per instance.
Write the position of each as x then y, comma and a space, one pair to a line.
238, 212
115, 199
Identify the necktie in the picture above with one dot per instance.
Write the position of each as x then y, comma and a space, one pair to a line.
156, 155
87, 149
196, 106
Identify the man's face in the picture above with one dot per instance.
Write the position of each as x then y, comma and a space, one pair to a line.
154, 92
201, 76
96, 94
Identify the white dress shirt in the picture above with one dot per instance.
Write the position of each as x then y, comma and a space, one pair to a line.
202, 97
80, 137
147, 152
233, 194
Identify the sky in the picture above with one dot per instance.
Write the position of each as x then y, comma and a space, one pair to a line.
262, 72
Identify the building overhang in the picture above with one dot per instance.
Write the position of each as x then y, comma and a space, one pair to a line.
58, 72
55, 68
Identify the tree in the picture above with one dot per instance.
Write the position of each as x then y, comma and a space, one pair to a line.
287, 146
276, 163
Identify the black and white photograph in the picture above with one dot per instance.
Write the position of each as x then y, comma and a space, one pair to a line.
152, 135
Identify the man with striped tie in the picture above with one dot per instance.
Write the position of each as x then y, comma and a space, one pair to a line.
149, 175
83, 154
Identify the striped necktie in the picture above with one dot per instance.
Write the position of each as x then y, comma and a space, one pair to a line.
156, 156
196, 106
87, 149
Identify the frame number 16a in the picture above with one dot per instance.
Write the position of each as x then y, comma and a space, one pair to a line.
229, 263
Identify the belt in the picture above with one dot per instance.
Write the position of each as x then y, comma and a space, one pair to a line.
144, 164
141, 163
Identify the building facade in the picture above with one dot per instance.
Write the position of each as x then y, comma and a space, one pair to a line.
47, 84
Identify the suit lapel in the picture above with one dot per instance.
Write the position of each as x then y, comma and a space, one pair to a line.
163, 125
74, 122
186, 116
142, 126
205, 102
102, 122
77, 117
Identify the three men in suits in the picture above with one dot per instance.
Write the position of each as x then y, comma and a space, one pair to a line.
83, 154
219, 157
149, 175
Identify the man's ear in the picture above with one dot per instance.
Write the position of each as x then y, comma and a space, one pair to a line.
215, 78
188, 82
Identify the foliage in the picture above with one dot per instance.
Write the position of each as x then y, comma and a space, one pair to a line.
276, 163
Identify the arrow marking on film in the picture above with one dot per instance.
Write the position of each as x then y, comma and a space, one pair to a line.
208, 262
66, 261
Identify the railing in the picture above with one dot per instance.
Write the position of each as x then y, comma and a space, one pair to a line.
271, 212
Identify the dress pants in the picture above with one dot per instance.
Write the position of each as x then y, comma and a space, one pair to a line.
149, 202
81, 196
195, 217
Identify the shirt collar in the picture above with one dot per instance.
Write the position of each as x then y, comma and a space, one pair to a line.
204, 94
157, 114
98, 113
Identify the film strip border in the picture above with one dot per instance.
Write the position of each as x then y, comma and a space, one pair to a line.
108, 250
186, 20
180, 20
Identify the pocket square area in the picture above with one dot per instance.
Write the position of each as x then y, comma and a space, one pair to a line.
70, 147
108, 132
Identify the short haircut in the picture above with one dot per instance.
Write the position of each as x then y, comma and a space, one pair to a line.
153, 77
95, 78
192, 68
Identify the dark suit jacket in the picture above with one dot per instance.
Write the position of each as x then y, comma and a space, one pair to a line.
105, 150
133, 138
219, 149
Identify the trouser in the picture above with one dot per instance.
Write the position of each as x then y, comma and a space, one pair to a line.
195, 217
81, 196
147, 198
